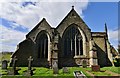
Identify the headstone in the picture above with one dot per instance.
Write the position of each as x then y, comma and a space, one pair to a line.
55, 68
13, 71
14, 63
4, 64
84, 63
65, 70
95, 68
29, 72
30, 62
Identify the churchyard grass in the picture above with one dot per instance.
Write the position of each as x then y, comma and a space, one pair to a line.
101, 74
45, 72
112, 69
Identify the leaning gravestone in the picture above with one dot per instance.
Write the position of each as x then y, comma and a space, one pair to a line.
55, 68
29, 71
84, 63
65, 70
4, 64
13, 71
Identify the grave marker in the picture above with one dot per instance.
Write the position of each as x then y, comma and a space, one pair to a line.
84, 63
55, 68
29, 72
14, 63
13, 71
65, 70
4, 64
30, 62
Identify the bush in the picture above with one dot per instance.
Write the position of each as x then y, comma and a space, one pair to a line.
117, 62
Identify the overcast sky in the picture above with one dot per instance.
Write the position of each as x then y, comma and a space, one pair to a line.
18, 18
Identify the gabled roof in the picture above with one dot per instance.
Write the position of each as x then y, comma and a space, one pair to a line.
72, 17
37, 26
74, 14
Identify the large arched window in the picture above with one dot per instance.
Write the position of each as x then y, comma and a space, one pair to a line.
42, 45
72, 42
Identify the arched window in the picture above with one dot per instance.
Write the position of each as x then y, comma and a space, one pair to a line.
42, 45
72, 42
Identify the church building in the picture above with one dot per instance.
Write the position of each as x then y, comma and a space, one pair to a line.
67, 45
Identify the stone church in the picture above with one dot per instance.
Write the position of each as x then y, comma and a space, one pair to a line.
69, 44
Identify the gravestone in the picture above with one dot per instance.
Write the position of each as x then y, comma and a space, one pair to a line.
95, 68
14, 63
55, 68
13, 71
84, 63
30, 62
65, 70
4, 64
29, 71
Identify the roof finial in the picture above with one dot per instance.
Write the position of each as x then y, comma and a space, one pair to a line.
105, 27
72, 7
106, 31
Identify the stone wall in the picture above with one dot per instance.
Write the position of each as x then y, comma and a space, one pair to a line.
101, 45
24, 50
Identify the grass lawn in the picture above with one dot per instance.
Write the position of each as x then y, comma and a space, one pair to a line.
45, 72
102, 73
112, 69
41, 71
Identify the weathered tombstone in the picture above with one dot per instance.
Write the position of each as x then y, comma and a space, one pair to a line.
30, 62
84, 63
95, 68
65, 70
4, 64
29, 71
55, 68
14, 63
13, 71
